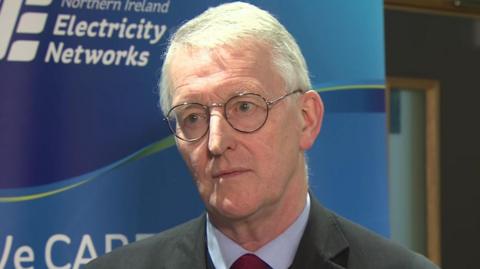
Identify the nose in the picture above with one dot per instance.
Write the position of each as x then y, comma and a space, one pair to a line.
220, 134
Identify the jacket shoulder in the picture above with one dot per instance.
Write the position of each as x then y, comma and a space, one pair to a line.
151, 251
370, 250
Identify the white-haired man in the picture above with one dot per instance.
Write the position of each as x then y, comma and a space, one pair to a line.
237, 96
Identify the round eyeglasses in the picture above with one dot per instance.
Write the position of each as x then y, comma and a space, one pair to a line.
245, 112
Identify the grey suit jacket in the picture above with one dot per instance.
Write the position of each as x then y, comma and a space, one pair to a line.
329, 242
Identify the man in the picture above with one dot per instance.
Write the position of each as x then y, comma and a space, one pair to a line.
236, 93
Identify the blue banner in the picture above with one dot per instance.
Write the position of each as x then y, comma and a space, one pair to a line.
86, 162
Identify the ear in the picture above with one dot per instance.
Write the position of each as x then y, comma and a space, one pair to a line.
312, 116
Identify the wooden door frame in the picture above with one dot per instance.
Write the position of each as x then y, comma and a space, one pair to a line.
456, 8
432, 150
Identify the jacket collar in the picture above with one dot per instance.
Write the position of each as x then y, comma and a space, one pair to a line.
323, 244
188, 250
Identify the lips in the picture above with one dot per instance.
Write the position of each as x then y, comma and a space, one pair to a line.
228, 173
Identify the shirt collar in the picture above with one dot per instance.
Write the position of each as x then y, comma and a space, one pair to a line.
278, 253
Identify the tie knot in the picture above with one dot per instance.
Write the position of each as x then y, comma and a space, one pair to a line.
249, 261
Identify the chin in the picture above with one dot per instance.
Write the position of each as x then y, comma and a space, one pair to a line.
231, 209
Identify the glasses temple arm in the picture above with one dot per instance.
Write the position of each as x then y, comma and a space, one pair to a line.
273, 102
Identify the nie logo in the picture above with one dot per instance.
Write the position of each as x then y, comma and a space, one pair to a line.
29, 23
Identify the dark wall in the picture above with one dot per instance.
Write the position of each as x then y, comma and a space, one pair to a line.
443, 48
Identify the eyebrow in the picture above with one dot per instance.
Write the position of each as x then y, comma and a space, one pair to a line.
194, 98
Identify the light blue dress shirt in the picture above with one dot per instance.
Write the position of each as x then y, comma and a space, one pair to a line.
278, 253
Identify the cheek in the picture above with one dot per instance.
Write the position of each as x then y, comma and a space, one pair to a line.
266, 152
195, 158
280, 147
284, 135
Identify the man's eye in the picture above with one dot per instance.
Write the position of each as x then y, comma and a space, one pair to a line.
191, 119
245, 106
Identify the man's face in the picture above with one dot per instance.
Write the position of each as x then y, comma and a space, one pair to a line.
240, 175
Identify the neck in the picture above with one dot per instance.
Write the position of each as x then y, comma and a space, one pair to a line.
258, 229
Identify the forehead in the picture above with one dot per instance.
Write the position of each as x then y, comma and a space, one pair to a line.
201, 73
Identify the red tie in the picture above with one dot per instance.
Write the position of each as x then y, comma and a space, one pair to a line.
249, 261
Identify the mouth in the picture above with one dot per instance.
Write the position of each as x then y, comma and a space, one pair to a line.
228, 173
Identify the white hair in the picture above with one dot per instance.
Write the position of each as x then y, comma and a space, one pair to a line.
228, 25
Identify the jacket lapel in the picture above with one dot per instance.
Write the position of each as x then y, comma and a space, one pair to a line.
323, 244
188, 250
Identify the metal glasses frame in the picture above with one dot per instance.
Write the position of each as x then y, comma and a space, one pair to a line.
269, 104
